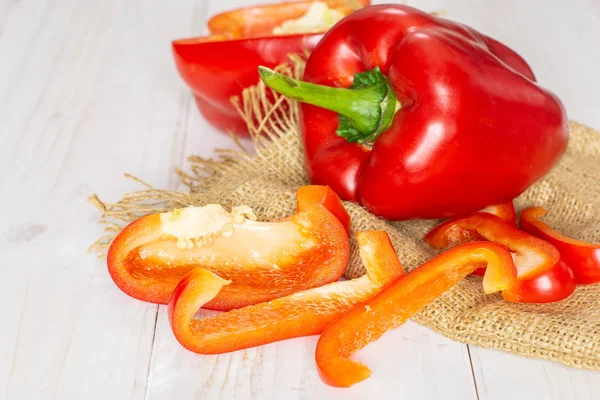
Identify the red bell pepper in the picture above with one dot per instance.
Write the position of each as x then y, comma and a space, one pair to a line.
299, 314
264, 260
403, 299
221, 65
533, 256
416, 116
583, 258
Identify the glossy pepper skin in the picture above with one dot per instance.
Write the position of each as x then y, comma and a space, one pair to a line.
303, 313
474, 128
402, 299
583, 258
555, 284
532, 255
263, 260
221, 65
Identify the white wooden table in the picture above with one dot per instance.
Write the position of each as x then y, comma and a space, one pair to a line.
88, 90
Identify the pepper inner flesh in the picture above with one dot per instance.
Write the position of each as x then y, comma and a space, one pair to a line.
300, 314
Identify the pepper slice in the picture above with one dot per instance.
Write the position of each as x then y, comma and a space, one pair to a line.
555, 285
533, 256
505, 211
300, 314
582, 257
219, 66
264, 260
307, 196
400, 301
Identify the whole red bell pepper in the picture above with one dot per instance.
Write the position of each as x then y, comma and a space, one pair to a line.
303, 313
416, 116
583, 258
263, 260
221, 65
402, 299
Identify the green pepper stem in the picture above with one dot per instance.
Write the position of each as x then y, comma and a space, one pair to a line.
365, 109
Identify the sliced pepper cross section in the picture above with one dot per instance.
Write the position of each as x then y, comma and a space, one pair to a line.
533, 256
263, 260
400, 301
300, 314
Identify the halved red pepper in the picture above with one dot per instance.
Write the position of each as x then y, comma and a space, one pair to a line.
221, 65
583, 258
533, 256
264, 260
300, 314
400, 301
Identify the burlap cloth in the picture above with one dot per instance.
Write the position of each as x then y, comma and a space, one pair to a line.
567, 331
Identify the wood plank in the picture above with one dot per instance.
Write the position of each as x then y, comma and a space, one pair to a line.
503, 376
88, 95
410, 362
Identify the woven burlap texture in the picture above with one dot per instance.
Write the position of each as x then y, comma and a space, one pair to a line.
566, 331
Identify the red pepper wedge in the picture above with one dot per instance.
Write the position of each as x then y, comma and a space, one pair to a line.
400, 104
300, 314
264, 260
555, 285
533, 256
583, 258
400, 301
219, 66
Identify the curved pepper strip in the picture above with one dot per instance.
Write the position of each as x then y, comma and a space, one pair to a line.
400, 301
220, 66
264, 260
300, 314
532, 256
505, 211
583, 258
